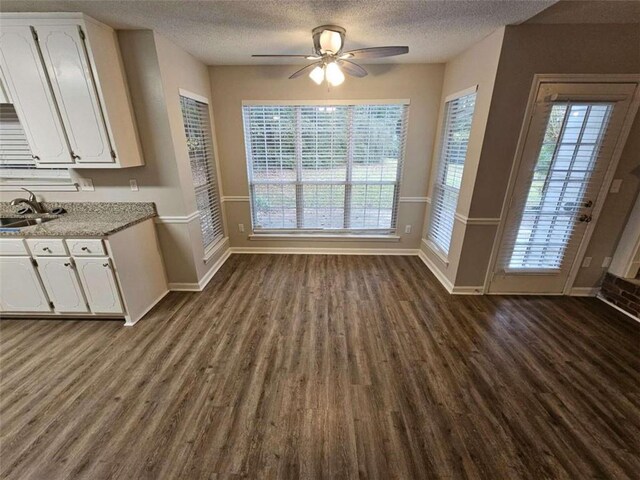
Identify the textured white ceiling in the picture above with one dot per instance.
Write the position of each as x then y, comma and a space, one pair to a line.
593, 11
228, 32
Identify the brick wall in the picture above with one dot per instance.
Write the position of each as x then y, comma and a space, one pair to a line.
622, 292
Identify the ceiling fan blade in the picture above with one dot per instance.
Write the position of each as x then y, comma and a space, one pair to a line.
308, 57
304, 70
352, 69
375, 52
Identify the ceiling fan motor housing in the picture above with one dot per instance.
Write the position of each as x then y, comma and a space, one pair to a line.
328, 38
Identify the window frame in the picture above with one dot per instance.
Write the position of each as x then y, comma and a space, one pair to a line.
327, 233
443, 254
211, 248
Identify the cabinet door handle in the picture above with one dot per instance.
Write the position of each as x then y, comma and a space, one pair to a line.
105, 264
67, 264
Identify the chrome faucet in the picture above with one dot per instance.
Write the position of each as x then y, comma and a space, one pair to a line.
32, 202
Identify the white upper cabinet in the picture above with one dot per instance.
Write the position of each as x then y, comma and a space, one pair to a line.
73, 64
65, 56
26, 81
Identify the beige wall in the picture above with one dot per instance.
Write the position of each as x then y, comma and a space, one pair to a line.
550, 49
230, 85
476, 66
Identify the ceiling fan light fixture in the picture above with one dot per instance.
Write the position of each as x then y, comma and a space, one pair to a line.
317, 74
334, 74
330, 41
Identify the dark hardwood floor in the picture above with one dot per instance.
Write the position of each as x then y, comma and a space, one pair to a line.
292, 366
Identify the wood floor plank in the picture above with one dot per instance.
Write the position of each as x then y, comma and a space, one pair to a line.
319, 366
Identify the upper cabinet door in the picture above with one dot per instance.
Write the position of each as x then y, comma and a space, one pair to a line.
65, 57
28, 87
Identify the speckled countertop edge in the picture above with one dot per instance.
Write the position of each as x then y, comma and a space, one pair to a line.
83, 219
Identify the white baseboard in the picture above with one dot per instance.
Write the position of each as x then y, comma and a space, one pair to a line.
323, 251
479, 290
584, 292
128, 322
198, 287
599, 297
446, 283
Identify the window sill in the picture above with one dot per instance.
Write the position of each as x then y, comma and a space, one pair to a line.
214, 248
436, 251
69, 187
325, 237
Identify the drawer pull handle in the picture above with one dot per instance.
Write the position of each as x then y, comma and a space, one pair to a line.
46, 249
85, 249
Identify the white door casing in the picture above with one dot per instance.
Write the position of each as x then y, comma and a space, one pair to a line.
62, 285
65, 57
20, 287
28, 85
568, 154
99, 283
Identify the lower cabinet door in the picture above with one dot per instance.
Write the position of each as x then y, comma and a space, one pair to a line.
20, 287
61, 282
99, 284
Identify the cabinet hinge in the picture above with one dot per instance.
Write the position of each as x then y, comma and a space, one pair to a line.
53, 307
81, 33
33, 262
34, 34
113, 154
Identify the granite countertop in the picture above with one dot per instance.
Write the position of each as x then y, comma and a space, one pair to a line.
90, 219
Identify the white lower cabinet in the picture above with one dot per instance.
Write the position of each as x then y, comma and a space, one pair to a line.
60, 280
99, 284
20, 287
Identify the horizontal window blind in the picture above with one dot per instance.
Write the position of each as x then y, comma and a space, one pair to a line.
14, 149
197, 127
17, 166
565, 177
456, 128
325, 167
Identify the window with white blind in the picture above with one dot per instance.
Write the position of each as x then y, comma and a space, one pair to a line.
197, 128
458, 115
17, 166
325, 168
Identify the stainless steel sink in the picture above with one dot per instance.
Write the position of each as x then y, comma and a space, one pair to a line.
19, 222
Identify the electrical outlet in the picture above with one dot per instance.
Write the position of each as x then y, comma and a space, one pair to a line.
615, 185
407, 229
86, 185
606, 262
241, 227
134, 185
586, 262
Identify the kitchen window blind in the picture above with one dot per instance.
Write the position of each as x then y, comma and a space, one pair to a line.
458, 115
317, 168
197, 128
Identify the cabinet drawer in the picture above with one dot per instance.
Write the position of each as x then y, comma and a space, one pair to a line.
12, 246
86, 247
43, 247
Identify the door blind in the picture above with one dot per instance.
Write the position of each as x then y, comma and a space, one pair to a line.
197, 127
458, 116
325, 167
564, 182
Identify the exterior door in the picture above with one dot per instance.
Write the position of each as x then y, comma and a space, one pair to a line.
61, 282
566, 156
26, 81
20, 287
99, 283
65, 57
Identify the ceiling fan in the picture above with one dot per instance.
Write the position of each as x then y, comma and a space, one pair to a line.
328, 43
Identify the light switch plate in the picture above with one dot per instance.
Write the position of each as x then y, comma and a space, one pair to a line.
407, 229
586, 262
134, 185
241, 227
86, 185
615, 185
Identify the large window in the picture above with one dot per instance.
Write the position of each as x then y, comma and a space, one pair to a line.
197, 128
458, 114
17, 166
325, 167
